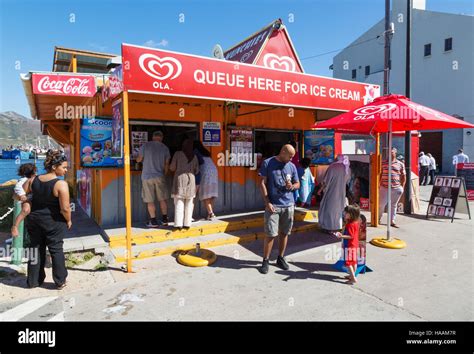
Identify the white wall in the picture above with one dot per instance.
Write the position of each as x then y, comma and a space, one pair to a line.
443, 81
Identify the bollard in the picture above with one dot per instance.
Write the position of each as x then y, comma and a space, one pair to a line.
198, 249
17, 242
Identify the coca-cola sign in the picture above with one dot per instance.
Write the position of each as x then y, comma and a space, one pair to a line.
64, 85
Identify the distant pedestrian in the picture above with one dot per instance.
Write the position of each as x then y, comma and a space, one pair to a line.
424, 163
397, 186
279, 180
432, 169
185, 166
351, 240
461, 157
156, 158
48, 221
209, 187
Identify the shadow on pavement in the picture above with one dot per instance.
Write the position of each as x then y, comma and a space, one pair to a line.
233, 263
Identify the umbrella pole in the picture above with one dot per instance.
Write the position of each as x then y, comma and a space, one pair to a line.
389, 191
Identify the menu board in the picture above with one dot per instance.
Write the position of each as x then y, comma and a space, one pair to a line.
241, 147
445, 195
138, 139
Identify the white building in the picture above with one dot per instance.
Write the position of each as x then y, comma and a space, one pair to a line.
442, 74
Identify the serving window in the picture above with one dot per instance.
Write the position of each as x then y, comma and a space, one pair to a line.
268, 142
174, 133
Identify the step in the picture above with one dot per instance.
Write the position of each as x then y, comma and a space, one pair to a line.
150, 250
224, 224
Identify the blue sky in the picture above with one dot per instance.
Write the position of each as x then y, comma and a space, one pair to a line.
30, 29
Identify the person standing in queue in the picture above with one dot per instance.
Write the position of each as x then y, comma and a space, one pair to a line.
279, 179
156, 158
209, 188
48, 221
185, 166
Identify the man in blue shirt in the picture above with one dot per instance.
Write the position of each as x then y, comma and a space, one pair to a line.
279, 180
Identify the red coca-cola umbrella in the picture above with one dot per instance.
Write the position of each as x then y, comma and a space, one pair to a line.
387, 114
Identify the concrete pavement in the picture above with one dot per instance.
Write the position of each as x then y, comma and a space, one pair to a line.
429, 280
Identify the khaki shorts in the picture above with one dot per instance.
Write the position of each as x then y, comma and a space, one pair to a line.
155, 186
279, 222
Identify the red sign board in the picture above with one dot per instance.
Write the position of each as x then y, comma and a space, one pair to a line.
278, 53
64, 85
364, 203
246, 51
156, 71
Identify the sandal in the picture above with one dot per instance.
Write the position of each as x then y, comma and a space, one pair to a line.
211, 216
61, 286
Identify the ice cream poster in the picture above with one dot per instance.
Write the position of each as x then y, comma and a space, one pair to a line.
84, 189
117, 132
319, 146
97, 144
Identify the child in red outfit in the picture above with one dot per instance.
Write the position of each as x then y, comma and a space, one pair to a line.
351, 234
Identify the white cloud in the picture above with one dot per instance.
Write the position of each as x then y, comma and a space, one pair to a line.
152, 43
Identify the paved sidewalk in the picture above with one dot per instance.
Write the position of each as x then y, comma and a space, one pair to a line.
429, 280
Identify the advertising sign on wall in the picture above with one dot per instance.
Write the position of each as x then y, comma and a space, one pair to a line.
138, 139
319, 146
113, 84
64, 85
241, 146
211, 134
156, 71
117, 131
84, 189
96, 144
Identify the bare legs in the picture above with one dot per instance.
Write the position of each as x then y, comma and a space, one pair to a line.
268, 245
152, 208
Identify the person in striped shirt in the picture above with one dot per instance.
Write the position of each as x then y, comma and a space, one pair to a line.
397, 183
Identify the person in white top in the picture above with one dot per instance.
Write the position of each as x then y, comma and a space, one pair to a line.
461, 157
431, 168
424, 163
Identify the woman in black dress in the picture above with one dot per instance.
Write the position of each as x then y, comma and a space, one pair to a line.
49, 220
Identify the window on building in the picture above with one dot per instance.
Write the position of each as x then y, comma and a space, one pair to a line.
354, 73
367, 70
448, 44
427, 49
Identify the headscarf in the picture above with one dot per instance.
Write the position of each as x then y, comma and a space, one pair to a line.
188, 149
344, 159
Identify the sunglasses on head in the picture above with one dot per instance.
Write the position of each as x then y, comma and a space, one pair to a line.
59, 159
